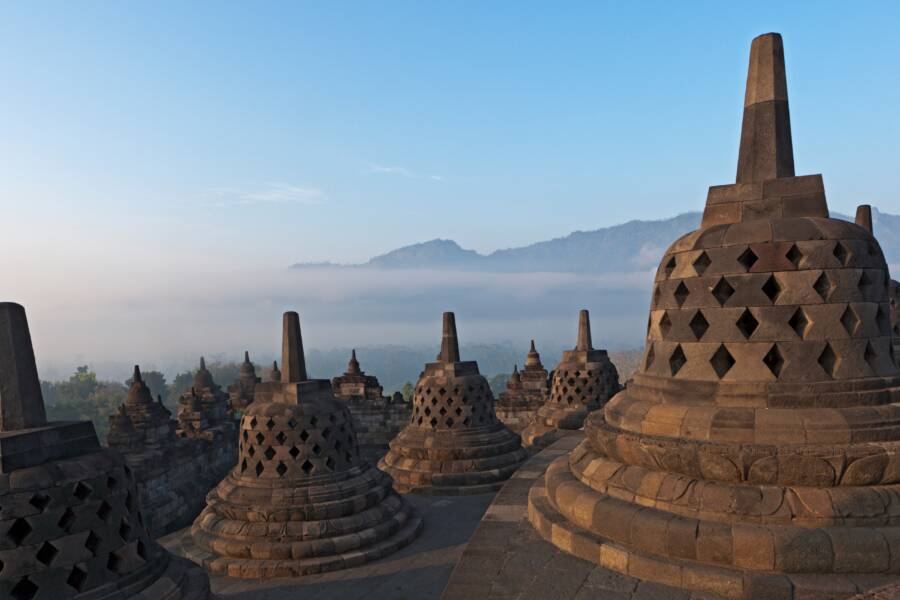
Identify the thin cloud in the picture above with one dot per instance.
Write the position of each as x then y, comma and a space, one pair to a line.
401, 171
270, 193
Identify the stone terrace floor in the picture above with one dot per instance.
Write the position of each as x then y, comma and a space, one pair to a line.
507, 560
418, 572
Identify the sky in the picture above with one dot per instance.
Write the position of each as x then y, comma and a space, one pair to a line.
171, 153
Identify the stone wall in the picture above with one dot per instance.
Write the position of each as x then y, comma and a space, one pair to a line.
376, 422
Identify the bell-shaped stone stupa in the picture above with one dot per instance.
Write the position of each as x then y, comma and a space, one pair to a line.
583, 381
71, 524
454, 443
300, 500
756, 452
526, 391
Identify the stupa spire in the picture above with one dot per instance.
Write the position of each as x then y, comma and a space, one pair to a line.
202, 364
864, 217
293, 363
449, 341
584, 331
246, 356
21, 402
137, 374
766, 148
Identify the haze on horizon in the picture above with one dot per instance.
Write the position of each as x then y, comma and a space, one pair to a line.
161, 165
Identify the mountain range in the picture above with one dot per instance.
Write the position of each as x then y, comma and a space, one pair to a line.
624, 248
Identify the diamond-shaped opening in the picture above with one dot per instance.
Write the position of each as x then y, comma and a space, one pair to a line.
883, 320
656, 295
270, 424
81, 490
747, 323
681, 293
253, 423
433, 422
677, 360
665, 324
104, 510
747, 259
124, 530
722, 291
304, 435
292, 423
141, 550
281, 437
823, 286
113, 562
841, 253
260, 438
246, 435
307, 467
798, 322
870, 355
670, 266
651, 355
294, 452
281, 469
77, 578
699, 324
66, 520
721, 361
865, 283
849, 320
243, 465
40, 501
251, 451
111, 483
828, 360
18, 531
325, 433
443, 411
449, 422
427, 411
794, 255
329, 462
46, 553
774, 360
269, 453
314, 421
771, 288
129, 502
259, 468
24, 590
458, 411
701, 263
92, 542
316, 449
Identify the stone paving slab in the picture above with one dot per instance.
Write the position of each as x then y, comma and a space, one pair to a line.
506, 559
418, 572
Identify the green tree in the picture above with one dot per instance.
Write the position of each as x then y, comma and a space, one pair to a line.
407, 390
84, 398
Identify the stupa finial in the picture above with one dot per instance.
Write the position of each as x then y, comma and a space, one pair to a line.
137, 374
584, 331
293, 363
864, 217
766, 148
202, 364
21, 402
246, 356
449, 341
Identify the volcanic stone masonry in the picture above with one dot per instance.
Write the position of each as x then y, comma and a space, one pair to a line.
240, 393
376, 418
172, 474
454, 443
755, 453
583, 381
526, 392
203, 409
69, 513
301, 500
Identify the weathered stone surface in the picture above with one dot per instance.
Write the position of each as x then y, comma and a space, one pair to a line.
240, 393
583, 381
454, 443
754, 453
376, 418
21, 403
301, 500
526, 391
71, 517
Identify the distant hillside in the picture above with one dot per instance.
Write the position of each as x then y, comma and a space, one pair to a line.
635, 245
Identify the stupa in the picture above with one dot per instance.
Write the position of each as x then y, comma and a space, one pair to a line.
583, 381
755, 452
454, 443
301, 500
149, 423
526, 391
376, 418
68, 509
240, 393
203, 409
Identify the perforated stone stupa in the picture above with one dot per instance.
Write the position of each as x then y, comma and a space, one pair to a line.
583, 381
454, 443
240, 393
755, 452
526, 391
301, 500
70, 524
203, 409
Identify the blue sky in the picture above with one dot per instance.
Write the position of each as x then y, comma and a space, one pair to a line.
143, 143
